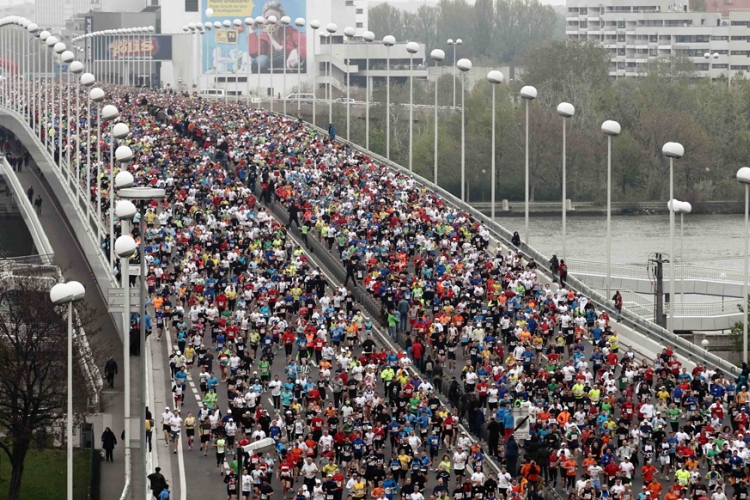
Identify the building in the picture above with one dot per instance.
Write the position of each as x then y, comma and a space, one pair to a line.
726, 6
231, 58
637, 32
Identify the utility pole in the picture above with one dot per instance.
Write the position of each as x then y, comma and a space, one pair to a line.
658, 270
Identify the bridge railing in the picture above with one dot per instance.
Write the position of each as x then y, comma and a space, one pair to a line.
637, 271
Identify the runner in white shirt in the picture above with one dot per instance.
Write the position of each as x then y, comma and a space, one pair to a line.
175, 426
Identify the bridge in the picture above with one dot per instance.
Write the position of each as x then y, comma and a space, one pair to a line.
74, 230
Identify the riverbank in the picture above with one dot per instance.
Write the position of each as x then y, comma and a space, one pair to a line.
505, 208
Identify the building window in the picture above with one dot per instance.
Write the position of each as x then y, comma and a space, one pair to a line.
360, 25
350, 3
360, 11
191, 5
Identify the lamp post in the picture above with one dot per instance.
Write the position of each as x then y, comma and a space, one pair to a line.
528, 93
495, 78
237, 25
285, 21
457, 42
683, 208
76, 67
87, 80
33, 29
436, 55
97, 96
227, 24
331, 28
44, 98
60, 294
315, 25
59, 48
611, 129
464, 65
260, 21
208, 25
300, 23
67, 58
142, 195
368, 37
125, 247
51, 42
671, 150
566, 110
349, 33
116, 131
272, 20
411, 48
743, 176
389, 41
708, 56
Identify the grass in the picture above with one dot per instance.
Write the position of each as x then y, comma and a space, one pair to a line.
44, 475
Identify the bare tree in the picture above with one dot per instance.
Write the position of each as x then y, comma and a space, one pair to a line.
33, 369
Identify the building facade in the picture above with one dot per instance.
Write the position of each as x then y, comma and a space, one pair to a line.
637, 32
225, 58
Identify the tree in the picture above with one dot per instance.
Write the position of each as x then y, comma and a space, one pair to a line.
33, 362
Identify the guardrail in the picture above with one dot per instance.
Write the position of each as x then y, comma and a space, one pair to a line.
641, 271
41, 242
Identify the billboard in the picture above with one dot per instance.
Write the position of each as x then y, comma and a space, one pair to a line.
251, 49
138, 48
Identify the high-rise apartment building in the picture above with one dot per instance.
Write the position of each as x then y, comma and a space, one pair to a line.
639, 31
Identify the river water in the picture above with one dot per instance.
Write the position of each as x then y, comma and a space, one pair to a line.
710, 240
15, 239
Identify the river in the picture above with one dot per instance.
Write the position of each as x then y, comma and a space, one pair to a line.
15, 239
710, 240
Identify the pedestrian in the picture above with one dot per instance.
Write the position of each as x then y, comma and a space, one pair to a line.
563, 272
351, 269
332, 132
158, 483
38, 205
516, 239
293, 213
554, 266
617, 299
110, 370
26, 157
30, 194
109, 441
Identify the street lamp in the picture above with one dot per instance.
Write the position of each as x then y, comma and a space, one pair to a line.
566, 110
116, 131
682, 208
331, 28
464, 65
389, 41
611, 129
708, 56
411, 48
368, 37
67, 293
300, 23
671, 150
743, 176
495, 78
142, 196
97, 96
349, 33
76, 67
125, 247
259, 22
315, 25
436, 55
67, 58
457, 42
87, 80
50, 43
528, 93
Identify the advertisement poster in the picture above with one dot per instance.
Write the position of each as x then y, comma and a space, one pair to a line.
249, 49
133, 48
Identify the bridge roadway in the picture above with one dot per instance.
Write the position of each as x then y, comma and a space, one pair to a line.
648, 350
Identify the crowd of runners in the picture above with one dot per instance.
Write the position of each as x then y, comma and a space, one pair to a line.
256, 324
